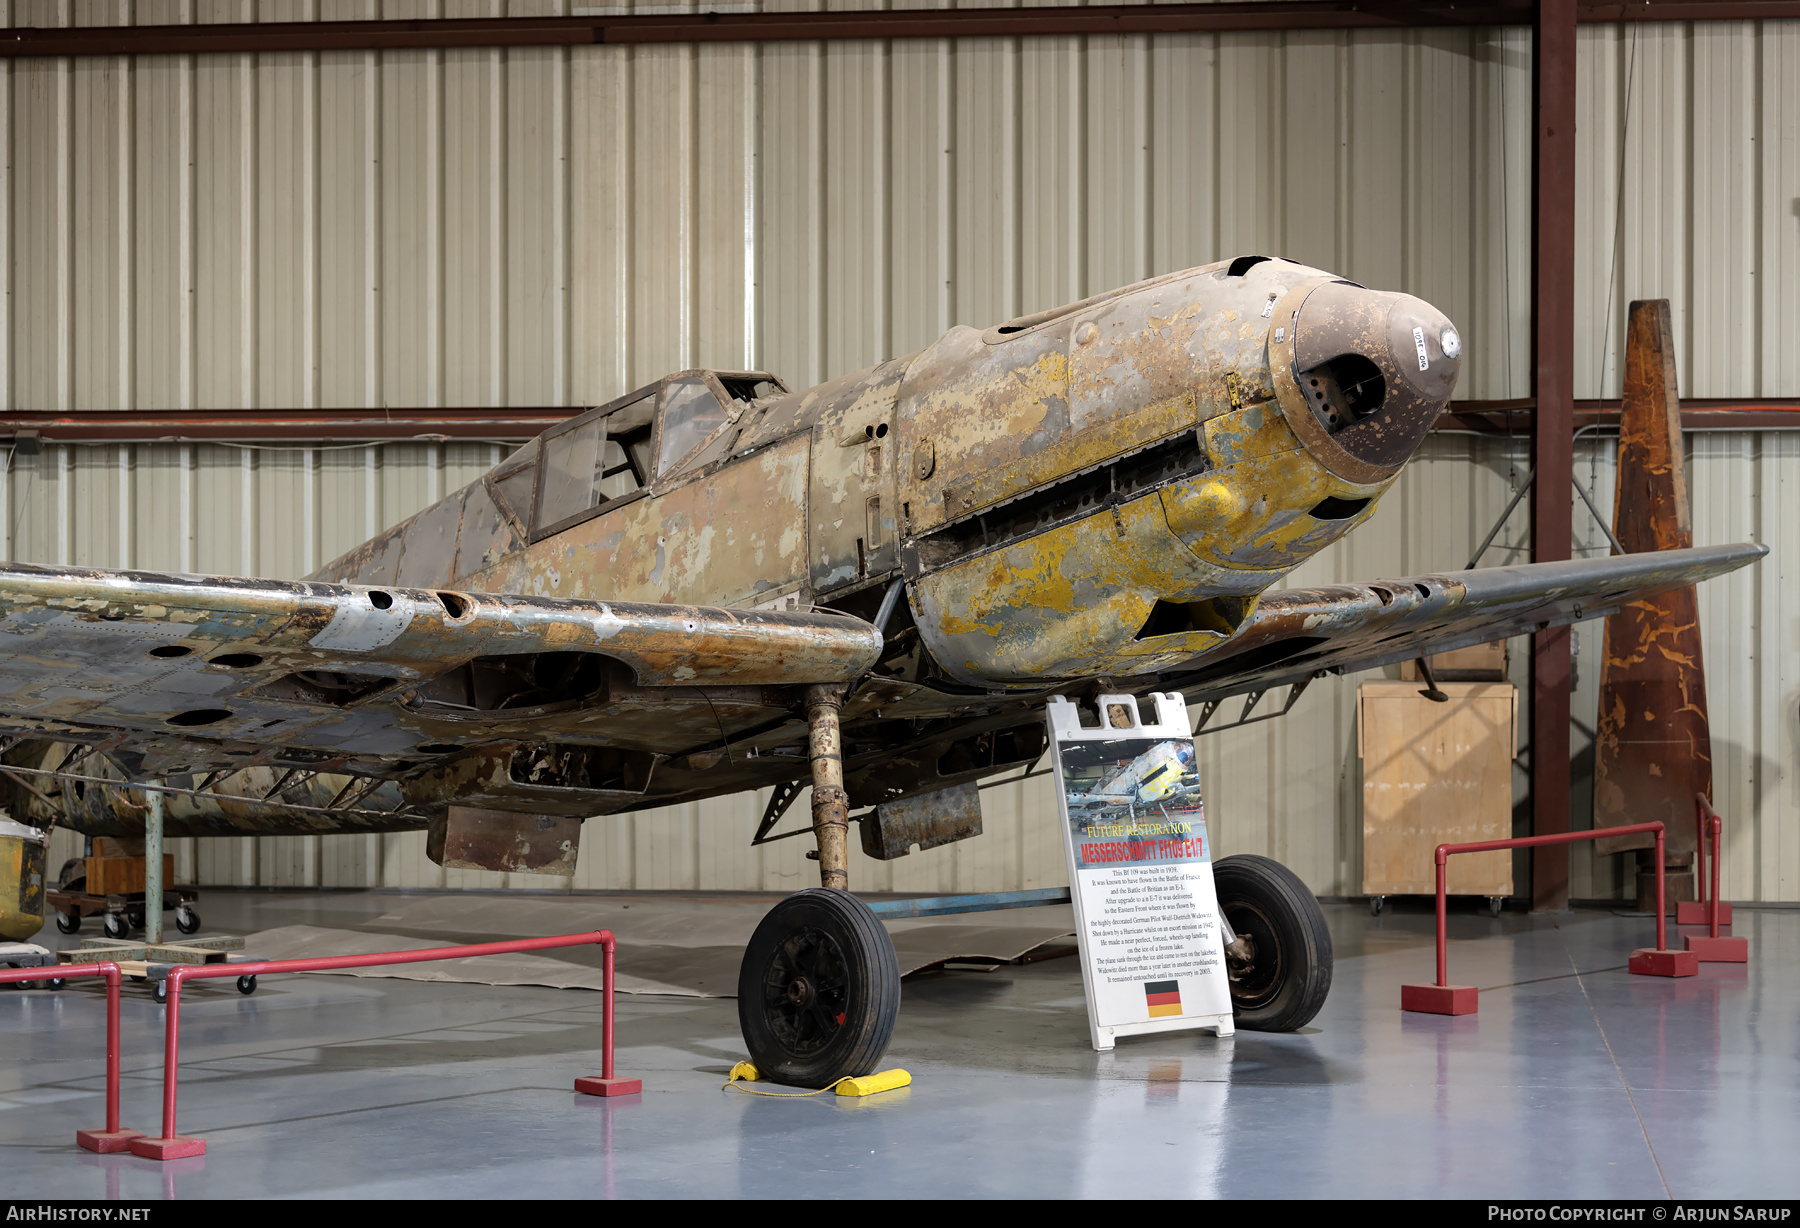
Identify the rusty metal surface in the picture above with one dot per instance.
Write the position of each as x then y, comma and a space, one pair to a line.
1653, 752
298, 691
927, 821
1039, 588
469, 838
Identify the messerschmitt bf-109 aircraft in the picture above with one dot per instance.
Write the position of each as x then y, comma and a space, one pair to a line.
1164, 776
715, 584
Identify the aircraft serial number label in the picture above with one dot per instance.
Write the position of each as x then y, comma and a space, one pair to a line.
1141, 868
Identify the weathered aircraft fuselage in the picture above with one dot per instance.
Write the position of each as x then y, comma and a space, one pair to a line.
1100, 489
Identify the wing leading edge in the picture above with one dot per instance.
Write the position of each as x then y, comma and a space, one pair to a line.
297, 689
1296, 634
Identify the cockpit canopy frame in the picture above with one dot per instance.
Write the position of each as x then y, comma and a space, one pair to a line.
617, 452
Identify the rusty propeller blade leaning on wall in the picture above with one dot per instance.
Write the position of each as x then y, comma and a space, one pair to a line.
1654, 751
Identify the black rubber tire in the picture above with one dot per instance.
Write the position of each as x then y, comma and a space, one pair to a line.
1286, 984
187, 920
116, 926
246, 984
160, 991
819, 990
68, 922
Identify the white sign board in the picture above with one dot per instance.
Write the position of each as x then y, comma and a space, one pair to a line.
1140, 869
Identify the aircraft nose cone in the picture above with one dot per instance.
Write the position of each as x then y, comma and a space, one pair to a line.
1374, 368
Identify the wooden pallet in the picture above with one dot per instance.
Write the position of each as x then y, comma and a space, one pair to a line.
209, 950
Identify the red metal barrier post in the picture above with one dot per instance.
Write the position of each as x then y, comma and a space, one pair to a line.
112, 1138
1711, 948
1444, 998
1700, 911
170, 1145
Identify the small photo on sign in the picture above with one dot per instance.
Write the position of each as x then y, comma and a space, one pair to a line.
1130, 792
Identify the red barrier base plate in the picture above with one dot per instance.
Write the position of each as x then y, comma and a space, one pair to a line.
1689, 912
1439, 999
609, 1087
172, 1148
1648, 961
105, 1141
1720, 950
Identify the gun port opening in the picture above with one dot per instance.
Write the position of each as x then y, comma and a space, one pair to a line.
1216, 615
1334, 508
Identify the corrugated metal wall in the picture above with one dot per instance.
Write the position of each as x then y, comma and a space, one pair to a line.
556, 226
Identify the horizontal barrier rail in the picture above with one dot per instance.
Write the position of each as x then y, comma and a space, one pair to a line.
171, 1145
1444, 998
112, 1138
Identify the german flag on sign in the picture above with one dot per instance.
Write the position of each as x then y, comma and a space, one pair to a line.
1164, 998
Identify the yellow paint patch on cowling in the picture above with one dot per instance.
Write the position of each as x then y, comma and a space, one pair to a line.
1068, 601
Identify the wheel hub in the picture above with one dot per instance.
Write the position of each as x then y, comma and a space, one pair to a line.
806, 992
1255, 972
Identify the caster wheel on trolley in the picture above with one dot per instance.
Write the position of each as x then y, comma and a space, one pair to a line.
1280, 978
819, 990
68, 922
246, 984
116, 926
1494, 903
186, 919
1376, 904
56, 982
160, 991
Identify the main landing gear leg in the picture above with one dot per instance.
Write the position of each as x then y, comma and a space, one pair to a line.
830, 804
819, 988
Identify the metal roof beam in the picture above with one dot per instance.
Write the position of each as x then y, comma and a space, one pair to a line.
627, 29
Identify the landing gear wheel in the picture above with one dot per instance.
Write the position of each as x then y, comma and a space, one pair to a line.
68, 922
246, 984
1281, 979
186, 919
819, 989
116, 926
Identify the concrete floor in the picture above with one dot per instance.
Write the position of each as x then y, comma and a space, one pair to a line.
1574, 1080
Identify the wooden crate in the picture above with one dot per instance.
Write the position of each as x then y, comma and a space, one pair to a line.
1436, 773
1476, 663
124, 875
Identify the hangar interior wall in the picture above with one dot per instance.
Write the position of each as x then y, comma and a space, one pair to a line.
554, 226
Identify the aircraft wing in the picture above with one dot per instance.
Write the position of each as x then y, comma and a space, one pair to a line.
1295, 634
173, 674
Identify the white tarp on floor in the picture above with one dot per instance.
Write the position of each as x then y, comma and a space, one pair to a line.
684, 944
